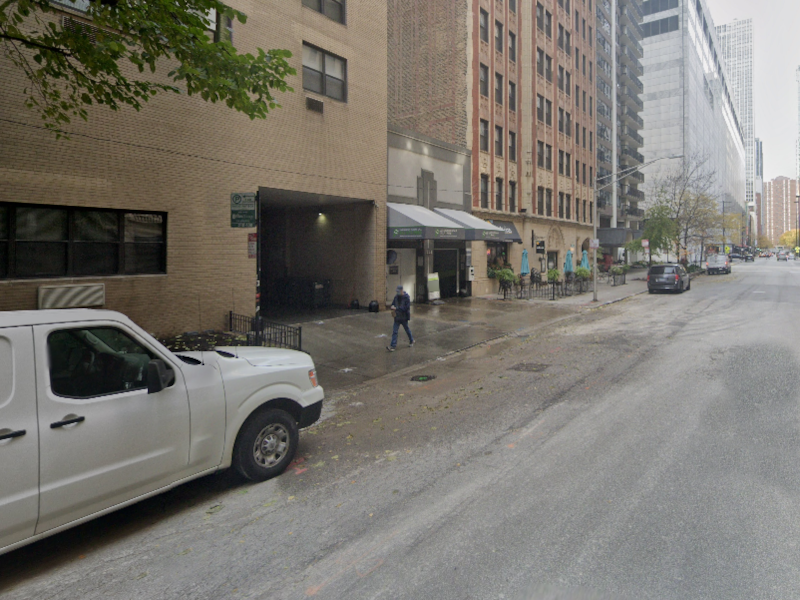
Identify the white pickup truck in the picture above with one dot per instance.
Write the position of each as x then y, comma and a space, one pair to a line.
96, 414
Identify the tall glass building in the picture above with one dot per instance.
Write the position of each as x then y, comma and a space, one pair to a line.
688, 104
736, 44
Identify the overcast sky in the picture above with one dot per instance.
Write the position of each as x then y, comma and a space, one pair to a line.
777, 56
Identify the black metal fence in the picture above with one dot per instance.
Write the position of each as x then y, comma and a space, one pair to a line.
552, 291
260, 332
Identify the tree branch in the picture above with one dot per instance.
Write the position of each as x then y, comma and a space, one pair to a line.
33, 44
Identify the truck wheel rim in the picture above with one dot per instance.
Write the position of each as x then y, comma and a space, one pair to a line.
271, 445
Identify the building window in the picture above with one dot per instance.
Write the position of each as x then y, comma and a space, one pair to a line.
512, 146
561, 78
548, 157
590, 142
561, 120
540, 61
496, 254
650, 7
568, 206
540, 16
560, 205
40, 241
548, 68
324, 73
577, 133
548, 195
484, 135
584, 65
577, 21
548, 112
667, 25
584, 173
590, 70
548, 24
333, 9
484, 191
591, 176
567, 83
512, 5
590, 105
498, 140
498, 194
512, 196
540, 201
560, 162
584, 210
577, 209
484, 25
568, 165
512, 47
498, 88
591, 212
584, 137
498, 37
219, 27
568, 125
512, 96
540, 154
577, 96
484, 80
578, 171
540, 107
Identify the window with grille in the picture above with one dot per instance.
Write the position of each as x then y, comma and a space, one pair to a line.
333, 9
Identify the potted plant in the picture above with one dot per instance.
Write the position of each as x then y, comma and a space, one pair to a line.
553, 275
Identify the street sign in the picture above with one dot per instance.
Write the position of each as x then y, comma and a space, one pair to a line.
252, 245
243, 210
645, 243
540, 247
594, 244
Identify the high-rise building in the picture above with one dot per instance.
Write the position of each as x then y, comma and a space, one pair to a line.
780, 208
797, 143
689, 108
491, 110
619, 120
736, 48
758, 187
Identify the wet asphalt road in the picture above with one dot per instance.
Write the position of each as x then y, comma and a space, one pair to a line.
647, 449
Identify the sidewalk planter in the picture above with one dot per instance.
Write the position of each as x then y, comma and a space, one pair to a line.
618, 275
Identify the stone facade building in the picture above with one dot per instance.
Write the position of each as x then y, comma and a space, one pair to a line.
138, 204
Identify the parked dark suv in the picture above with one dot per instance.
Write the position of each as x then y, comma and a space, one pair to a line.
668, 277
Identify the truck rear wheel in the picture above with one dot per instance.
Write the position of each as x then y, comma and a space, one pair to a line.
266, 444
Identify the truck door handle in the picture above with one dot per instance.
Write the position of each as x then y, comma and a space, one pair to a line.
12, 434
72, 421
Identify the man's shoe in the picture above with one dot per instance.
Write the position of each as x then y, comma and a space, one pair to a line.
410, 344
390, 348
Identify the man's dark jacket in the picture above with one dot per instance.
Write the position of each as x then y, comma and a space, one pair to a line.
402, 305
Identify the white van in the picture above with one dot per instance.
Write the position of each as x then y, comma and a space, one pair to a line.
96, 414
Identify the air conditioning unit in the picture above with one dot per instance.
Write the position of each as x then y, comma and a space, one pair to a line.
72, 296
315, 105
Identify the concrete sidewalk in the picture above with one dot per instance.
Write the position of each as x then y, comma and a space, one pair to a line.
349, 347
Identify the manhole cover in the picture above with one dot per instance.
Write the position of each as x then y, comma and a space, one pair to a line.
423, 377
529, 367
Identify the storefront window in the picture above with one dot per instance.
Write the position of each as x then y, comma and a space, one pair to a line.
496, 254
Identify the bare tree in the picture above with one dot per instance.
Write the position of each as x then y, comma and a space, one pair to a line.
688, 191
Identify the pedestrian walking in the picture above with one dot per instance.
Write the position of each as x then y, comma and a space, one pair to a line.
401, 310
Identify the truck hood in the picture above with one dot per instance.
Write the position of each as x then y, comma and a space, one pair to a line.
267, 357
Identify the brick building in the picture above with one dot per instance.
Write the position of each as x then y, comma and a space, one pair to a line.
140, 202
532, 127
779, 207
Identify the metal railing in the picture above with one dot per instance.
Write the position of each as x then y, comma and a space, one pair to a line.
261, 332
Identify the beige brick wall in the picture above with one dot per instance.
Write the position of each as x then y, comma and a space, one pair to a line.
185, 156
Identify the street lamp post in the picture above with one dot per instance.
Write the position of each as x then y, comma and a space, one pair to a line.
620, 175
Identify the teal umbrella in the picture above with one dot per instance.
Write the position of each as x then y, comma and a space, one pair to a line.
526, 268
568, 266
585, 260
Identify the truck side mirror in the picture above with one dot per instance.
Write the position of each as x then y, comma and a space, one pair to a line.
159, 376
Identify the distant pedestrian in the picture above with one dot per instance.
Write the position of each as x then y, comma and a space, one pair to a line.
401, 309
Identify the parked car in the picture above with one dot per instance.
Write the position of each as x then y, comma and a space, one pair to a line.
96, 414
717, 263
668, 277
783, 256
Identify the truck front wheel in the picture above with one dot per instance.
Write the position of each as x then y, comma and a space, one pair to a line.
266, 445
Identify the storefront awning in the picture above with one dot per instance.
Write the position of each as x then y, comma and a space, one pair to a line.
411, 222
510, 233
476, 229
